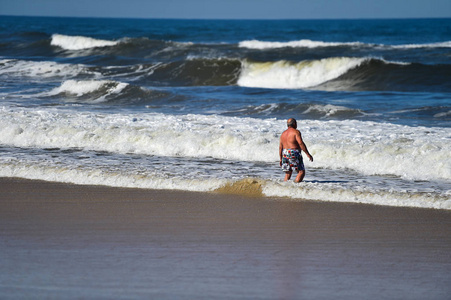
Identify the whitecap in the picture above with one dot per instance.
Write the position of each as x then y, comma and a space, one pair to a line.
79, 42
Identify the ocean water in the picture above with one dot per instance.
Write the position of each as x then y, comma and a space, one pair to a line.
198, 105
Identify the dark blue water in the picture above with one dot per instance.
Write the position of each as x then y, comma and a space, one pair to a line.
405, 76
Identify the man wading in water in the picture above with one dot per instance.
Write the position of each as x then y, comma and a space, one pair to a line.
290, 147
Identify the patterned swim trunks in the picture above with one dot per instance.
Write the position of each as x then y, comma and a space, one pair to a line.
292, 158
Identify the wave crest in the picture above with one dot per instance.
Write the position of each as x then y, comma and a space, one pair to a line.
288, 75
79, 42
100, 88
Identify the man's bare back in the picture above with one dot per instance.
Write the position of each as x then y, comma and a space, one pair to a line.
291, 139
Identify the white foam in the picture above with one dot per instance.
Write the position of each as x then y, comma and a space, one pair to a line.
417, 46
443, 114
414, 153
330, 110
82, 87
319, 191
79, 42
287, 75
42, 69
255, 44
305, 43
357, 194
101, 177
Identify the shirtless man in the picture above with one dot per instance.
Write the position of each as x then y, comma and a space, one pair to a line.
290, 147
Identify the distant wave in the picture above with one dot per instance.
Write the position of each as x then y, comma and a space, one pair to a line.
443, 114
431, 45
127, 45
305, 43
105, 91
308, 110
43, 69
100, 89
79, 42
256, 44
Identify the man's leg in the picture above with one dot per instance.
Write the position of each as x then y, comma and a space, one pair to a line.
288, 175
300, 176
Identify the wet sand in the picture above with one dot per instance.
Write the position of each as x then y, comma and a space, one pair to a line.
63, 241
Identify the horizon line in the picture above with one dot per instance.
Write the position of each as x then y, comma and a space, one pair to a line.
228, 19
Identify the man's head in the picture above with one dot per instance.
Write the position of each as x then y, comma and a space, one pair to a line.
291, 122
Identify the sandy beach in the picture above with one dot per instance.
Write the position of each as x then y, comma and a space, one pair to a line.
63, 241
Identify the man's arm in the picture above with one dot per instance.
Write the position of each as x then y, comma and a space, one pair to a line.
302, 145
280, 150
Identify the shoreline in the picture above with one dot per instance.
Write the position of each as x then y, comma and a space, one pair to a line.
82, 241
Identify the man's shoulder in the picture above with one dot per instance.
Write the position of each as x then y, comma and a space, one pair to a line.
295, 131
291, 132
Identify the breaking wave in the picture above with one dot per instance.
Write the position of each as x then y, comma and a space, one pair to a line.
366, 147
346, 74
331, 74
103, 91
288, 75
103, 88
